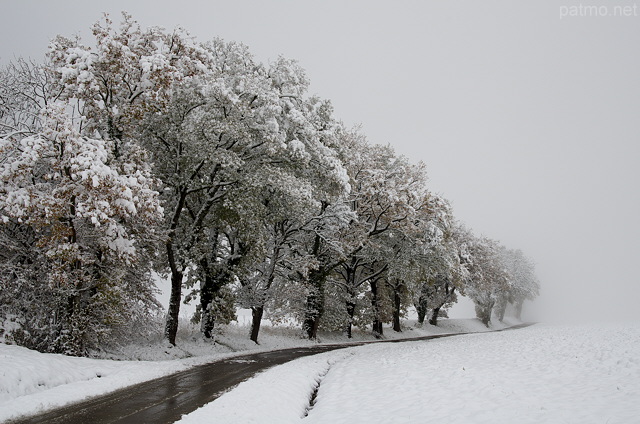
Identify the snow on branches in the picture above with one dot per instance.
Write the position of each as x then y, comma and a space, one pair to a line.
86, 212
56, 178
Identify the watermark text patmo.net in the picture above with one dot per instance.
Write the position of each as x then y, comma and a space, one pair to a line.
598, 11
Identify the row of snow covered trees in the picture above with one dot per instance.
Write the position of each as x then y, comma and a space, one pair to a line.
151, 153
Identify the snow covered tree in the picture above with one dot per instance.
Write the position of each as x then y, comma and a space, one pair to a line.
237, 135
127, 78
387, 194
443, 272
128, 74
89, 216
488, 277
523, 283
298, 197
321, 247
301, 188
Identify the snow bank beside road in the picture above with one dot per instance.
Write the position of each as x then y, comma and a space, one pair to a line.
278, 395
541, 374
31, 381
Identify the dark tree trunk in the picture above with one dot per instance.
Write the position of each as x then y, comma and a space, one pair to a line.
377, 328
422, 313
213, 282
351, 310
207, 320
214, 278
436, 311
483, 312
256, 320
377, 323
315, 298
315, 304
208, 289
171, 326
422, 305
434, 315
349, 274
313, 312
397, 303
396, 310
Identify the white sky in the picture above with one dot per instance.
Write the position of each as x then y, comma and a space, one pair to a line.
528, 123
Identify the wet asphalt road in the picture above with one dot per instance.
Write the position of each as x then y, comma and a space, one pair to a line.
166, 399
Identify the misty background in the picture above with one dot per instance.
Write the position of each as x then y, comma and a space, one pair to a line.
528, 119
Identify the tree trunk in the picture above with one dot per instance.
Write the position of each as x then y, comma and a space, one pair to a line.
213, 278
436, 311
396, 310
256, 320
315, 304
312, 315
377, 328
422, 305
349, 275
500, 311
434, 315
377, 324
351, 309
207, 320
501, 307
518, 311
171, 326
483, 312
315, 299
212, 282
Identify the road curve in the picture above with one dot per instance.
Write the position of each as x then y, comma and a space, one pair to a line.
166, 399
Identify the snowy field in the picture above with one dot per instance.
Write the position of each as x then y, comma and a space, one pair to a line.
541, 374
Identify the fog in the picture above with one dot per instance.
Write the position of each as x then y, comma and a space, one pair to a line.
526, 113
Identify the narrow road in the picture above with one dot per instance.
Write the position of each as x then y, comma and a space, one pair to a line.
166, 399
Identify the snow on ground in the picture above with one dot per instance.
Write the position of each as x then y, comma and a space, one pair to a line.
278, 395
542, 374
32, 382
